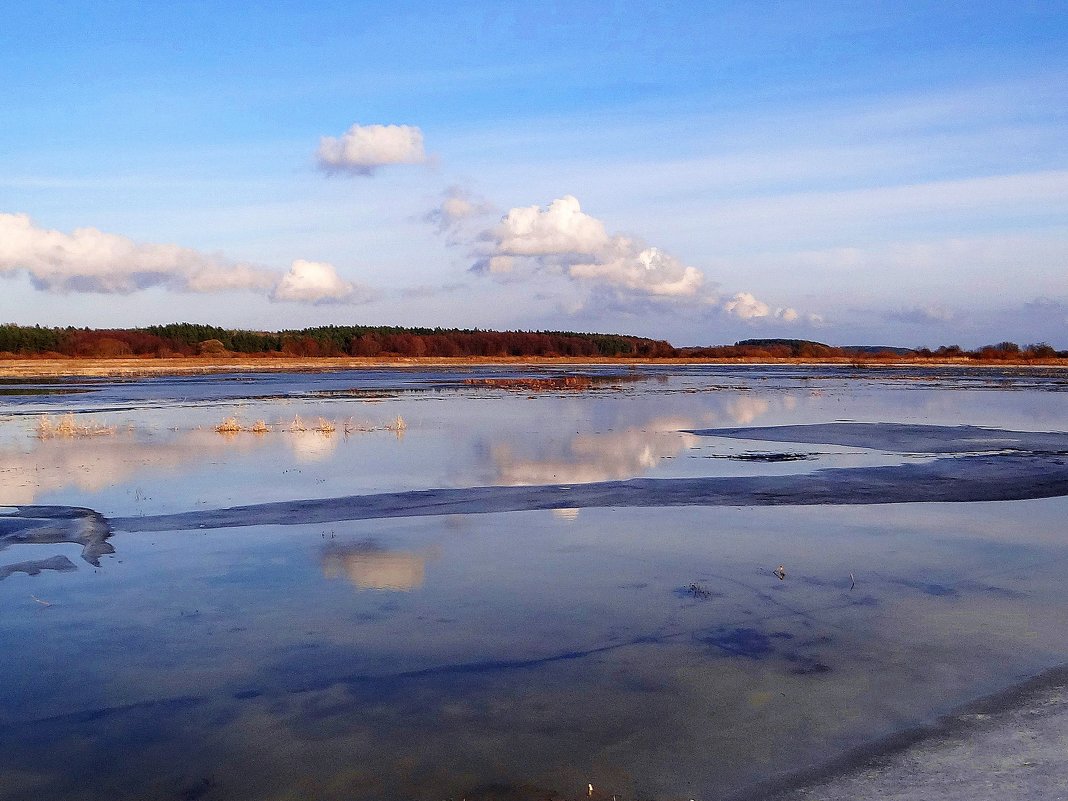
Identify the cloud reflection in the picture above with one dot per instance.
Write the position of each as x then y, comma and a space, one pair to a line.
94, 464
599, 457
368, 566
619, 455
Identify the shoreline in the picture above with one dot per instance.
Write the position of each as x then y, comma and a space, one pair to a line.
1010, 744
149, 367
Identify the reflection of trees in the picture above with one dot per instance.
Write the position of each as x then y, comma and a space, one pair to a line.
368, 566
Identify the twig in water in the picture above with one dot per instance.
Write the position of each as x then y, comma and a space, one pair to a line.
852, 581
42, 603
699, 592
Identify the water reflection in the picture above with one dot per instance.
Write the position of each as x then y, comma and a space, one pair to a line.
369, 566
32, 467
634, 450
44, 466
598, 457
536, 653
312, 446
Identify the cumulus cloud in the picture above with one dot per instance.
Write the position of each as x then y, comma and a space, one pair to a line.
745, 306
562, 239
314, 282
91, 261
362, 149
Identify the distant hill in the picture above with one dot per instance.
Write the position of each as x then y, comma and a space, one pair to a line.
872, 349
797, 346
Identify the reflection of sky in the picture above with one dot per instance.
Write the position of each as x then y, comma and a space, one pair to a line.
544, 648
599, 457
481, 673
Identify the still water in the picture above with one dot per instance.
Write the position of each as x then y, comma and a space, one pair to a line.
652, 652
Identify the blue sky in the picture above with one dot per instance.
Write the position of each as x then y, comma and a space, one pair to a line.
848, 172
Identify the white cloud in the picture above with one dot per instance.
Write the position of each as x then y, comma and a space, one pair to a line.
314, 282
746, 307
362, 149
563, 240
647, 271
90, 260
559, 230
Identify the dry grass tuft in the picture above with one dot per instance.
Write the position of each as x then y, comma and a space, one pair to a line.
66, 427
230, 425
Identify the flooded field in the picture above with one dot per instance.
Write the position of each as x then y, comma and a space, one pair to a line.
500, 584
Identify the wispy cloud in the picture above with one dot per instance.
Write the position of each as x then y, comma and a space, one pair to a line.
362, 149
457, 207
933, 314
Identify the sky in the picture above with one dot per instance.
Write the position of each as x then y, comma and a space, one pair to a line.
855, 173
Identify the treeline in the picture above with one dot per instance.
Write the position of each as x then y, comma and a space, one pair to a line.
189, 339
806, 349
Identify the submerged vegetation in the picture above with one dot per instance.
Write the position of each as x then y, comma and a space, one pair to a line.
178, 340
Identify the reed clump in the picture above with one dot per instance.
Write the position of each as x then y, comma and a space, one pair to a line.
230, 425
66, 427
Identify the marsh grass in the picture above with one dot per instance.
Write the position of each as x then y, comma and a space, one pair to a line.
66, 427
232, 425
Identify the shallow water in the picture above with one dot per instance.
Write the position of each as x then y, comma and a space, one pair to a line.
651, 652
